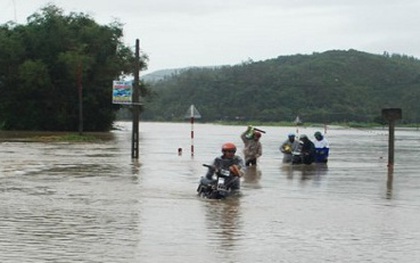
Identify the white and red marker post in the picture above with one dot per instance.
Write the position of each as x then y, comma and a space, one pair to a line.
192, 114
298, 122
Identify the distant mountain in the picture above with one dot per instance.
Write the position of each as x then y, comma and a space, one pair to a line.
161, 74
167, 73
333, 86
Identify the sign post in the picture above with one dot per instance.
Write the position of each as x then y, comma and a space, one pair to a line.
136, 104
391, 115
192, 114
128, 93
298, 122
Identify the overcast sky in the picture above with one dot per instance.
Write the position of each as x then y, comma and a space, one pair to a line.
183, 33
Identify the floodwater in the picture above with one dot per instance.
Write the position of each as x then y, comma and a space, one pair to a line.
90, 202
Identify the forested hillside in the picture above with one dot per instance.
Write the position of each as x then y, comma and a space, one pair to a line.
334, 86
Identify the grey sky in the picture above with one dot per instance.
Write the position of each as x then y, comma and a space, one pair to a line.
182, 33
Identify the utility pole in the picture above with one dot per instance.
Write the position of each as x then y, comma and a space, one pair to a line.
136, 104
80, 88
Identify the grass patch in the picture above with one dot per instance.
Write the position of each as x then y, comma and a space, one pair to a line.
67, 138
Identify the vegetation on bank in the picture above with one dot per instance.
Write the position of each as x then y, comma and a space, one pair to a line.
310, 124
67, 138
330, 87
24, 136
54, 59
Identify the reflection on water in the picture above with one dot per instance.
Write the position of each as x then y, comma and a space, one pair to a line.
252, 177
90, 202
389, 182
314, 171
223, 219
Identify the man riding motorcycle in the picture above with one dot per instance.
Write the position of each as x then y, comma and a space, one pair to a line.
228, 161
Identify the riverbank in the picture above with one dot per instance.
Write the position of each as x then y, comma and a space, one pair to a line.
45, 136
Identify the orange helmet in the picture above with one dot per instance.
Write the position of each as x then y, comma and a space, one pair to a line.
228, 147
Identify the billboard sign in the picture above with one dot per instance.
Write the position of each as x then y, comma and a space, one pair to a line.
122, 92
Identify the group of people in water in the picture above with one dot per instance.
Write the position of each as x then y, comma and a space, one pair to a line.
299, 150
304, 150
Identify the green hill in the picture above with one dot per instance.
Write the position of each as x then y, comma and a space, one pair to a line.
334, 86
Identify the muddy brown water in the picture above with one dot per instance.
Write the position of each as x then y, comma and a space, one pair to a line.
90, 202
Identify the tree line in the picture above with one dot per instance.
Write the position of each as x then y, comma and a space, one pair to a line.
46, 62
333, 86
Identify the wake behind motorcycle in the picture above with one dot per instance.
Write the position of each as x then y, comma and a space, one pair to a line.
218, 188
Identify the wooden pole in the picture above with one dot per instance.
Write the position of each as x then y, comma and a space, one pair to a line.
391, 140
136, 106
80, 89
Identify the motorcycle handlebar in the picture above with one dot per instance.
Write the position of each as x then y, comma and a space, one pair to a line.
217, 171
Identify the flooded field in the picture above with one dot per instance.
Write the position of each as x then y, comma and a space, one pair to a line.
90, 202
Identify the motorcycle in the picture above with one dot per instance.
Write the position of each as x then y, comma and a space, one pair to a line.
296, 157
218, 188
300, 158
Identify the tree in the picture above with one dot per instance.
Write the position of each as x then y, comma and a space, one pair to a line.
42, 62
